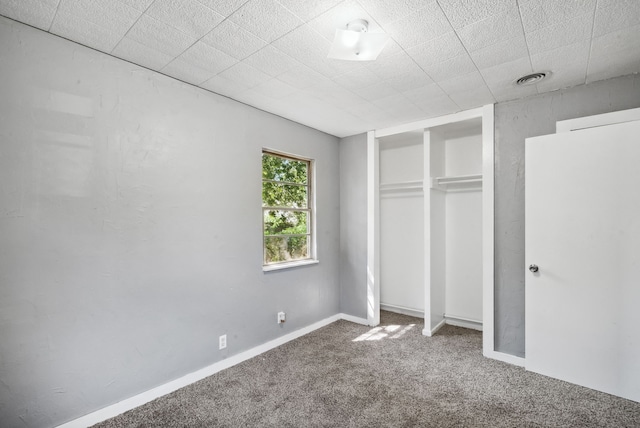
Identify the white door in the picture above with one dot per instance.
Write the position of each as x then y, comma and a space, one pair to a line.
583, 232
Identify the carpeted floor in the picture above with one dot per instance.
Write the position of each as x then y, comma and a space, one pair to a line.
346, 375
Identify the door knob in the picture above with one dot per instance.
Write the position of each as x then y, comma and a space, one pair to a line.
533, 268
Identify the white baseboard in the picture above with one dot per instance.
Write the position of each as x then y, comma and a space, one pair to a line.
150, 395
505, 358
429, 333
353, 319
402, 310
458, 322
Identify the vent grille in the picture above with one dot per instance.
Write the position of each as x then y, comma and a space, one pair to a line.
532, 79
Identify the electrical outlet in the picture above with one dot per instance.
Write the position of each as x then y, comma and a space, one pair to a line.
281, 317
222, 341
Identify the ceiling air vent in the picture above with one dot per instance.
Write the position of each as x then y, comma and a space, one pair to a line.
532, 79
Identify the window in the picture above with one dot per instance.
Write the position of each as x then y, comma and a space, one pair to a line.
287, 209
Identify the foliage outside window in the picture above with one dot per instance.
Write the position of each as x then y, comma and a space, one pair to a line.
286, 208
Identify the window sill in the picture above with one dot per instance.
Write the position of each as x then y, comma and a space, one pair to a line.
289, 265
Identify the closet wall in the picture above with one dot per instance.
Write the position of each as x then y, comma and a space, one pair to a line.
402, 223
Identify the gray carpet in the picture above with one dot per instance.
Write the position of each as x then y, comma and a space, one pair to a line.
326, 379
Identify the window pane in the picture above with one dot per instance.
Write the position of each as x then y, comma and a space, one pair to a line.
282, 169
283, 195
284, 222
282, 249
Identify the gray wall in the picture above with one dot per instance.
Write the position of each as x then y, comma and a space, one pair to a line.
515, 121
353, 225
130, 231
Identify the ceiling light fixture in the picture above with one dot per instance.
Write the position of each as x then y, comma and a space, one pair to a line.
356, 43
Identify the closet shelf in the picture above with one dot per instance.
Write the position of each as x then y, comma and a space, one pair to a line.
459, 182
401, 187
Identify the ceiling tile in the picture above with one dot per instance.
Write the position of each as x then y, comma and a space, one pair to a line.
456, 66
464, 12
438, 106
140, 5
234, 40
537, 14
114, 16
501, 79
302, 77
504, 51
425, 93
560, 34
376, 91
419, 27
335, 94
37, 13
399, 106
275, 89
245, 75
437, 50
338, 18
84, 32
554, 60
391, 66
159, 36
615, 54
308, 9
566, 77
207, 57
271, 61
358, 78
411, 80
137, 53
188, 16
472, 98
223, 7
312, 49
367, 111
266, 19
387, 11
223, 86
491, 30
187, 72
613, 15
466, 82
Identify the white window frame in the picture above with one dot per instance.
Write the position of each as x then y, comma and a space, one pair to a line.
311, 208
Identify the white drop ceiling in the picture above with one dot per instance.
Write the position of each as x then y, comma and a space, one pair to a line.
444, 56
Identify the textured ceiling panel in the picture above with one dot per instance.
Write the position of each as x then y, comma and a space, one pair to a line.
442, 56
37, 13
234, 40
160, 36
188, 16
560, 34
266, 19
85, 32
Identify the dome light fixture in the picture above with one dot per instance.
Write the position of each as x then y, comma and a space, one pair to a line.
356, 43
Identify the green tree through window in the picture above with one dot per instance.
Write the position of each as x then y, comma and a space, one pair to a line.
286, 210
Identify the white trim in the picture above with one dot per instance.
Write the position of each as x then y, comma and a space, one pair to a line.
462, 322
487, 114
488, 245
355, 320
430, 123
505, 358
169, 387
598, 120
402, 310
289, 265
373, 229
434, 330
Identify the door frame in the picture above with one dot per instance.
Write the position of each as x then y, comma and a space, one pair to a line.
486, 113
